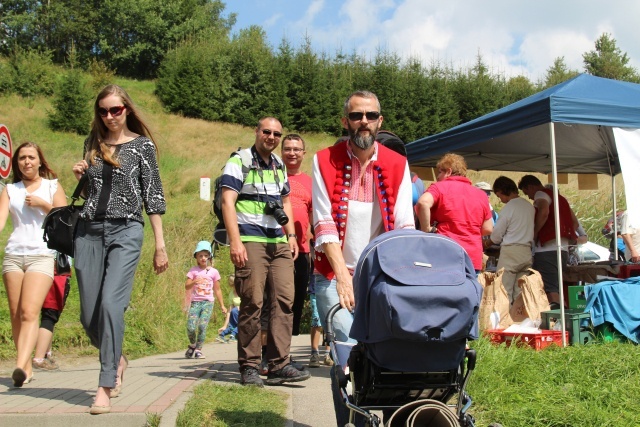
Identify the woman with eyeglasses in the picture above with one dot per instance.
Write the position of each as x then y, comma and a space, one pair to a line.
27, 268
121, 164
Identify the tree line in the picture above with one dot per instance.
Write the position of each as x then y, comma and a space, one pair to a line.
203, 71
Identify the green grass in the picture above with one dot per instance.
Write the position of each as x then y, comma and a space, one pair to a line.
586, 385
214, 405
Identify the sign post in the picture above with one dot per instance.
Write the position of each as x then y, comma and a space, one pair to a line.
205, 188
5, 152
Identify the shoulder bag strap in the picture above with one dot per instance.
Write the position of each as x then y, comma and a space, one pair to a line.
79, 188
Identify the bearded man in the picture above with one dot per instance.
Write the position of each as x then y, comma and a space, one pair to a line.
361, 189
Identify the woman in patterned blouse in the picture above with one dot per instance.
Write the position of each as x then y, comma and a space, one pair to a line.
121, 164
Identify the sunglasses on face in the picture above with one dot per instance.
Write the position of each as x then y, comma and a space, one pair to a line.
114, 111
268, 132
358, 115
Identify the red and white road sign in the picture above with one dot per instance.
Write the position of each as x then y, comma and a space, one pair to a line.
5, 152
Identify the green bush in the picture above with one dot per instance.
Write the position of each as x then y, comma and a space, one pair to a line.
71, 103
194, 80
31, 73
101, 75
5, 77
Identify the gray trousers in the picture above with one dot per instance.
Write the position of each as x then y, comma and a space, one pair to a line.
106, 256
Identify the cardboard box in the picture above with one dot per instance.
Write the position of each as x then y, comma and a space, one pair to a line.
577, 299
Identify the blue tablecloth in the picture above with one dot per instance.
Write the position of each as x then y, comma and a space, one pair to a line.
617, 302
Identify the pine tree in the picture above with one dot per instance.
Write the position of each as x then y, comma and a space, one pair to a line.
71, 102
607, 60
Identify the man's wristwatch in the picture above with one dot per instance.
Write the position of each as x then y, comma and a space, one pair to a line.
292, 235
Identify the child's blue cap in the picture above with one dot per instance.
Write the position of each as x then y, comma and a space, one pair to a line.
202, 245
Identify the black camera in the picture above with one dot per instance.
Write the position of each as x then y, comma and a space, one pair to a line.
276, 209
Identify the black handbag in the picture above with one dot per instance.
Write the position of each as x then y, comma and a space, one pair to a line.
60, 223
63, 266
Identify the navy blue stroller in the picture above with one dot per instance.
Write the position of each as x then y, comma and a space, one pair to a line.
417, 302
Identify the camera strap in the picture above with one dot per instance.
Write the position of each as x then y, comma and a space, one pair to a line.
256, 161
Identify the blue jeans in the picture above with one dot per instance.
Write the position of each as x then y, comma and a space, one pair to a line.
327, 297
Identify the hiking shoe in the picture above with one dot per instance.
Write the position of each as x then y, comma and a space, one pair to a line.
45, 364
189, 353
198, 355
249, 376
328, 361
220, 338
298, 366
314, 360
232, 338
288, 374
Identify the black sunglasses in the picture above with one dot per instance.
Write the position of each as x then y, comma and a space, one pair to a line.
268, 132
370, 115
115, 111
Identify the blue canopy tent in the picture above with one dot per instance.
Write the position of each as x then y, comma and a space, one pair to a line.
517, 137
569, 128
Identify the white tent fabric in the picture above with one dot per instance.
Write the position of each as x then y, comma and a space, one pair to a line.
628, 144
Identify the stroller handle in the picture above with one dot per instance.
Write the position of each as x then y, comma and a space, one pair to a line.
329, 334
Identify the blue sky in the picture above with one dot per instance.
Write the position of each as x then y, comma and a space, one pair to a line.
513, 36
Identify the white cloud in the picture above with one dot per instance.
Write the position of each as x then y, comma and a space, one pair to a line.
362, 17
272, 21
314, 8
541, 48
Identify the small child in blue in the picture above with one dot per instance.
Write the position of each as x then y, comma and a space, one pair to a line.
230, 326
203, 281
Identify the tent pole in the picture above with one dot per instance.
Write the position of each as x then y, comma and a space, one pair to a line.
556, 218
615, 218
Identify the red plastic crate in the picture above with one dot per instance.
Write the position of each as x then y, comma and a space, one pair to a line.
629, 270
537, 341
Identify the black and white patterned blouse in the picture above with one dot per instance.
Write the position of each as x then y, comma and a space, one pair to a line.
119, 193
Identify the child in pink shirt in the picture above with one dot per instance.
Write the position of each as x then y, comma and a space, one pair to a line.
203, 281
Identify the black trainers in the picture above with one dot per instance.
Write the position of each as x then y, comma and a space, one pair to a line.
295, 364
189, 353
249, 376
288, 374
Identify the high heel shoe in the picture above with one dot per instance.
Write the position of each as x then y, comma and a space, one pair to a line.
115, 392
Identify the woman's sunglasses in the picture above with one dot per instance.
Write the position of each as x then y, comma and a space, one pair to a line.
114, 111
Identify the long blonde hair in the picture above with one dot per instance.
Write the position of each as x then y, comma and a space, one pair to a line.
95, 145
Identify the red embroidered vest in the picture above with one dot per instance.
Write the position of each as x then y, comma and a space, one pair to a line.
548, 230
335, 166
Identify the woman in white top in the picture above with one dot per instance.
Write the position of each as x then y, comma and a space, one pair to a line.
27, 268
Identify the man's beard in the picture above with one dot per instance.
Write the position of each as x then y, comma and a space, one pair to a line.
362, 141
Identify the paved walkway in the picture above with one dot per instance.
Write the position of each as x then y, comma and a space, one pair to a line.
158, 384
